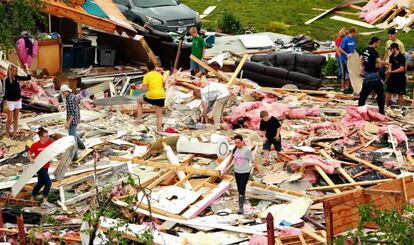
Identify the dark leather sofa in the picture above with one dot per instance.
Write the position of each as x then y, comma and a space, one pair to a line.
276, 70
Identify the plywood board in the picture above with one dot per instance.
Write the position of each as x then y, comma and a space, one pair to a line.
354, 69
353, 22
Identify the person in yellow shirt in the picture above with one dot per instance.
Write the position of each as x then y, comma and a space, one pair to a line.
153, 86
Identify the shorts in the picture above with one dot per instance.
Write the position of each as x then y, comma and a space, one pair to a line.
13, 105
267, 146
396, 86
343, 67
156, 102
194, 65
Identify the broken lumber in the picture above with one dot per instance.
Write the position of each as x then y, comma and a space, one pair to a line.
351, 21
327, 179
361, 183
172, 158
237, 71
187, 169
205, 66
368, 164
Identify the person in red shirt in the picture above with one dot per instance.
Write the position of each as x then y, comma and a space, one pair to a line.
341, 76
42, 175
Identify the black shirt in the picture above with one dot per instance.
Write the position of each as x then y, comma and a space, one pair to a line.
369, 56
270, 127
13, 91
397, 62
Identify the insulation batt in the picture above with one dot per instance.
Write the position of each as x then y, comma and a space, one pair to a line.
327, 166
396, 131
358, 115
390, 164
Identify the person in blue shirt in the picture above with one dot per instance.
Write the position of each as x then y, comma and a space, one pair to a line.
347, 47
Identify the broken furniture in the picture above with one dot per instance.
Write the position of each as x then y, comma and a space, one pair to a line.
279, 69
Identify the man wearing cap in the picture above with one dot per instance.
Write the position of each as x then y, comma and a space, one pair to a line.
396, 83
392, 35
372, 81
72, 116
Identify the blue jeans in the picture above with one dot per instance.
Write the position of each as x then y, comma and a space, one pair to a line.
372, 82
194, 66
73, 131
339, 73
43, 180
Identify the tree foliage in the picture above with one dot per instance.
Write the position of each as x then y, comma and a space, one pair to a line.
17, 16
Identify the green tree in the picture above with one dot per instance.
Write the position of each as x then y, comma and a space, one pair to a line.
17, 16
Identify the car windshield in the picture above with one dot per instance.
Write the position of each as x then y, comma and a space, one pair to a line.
154, 3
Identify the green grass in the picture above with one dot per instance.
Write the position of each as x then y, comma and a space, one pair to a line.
259, 13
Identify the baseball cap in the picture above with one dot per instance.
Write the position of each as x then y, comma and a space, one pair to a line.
65, 88
392, 31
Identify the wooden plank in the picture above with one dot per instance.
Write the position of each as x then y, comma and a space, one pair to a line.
151, 54
302, 240
314, 235
161, 179
237, 71
187, 169
368, 164
341, 5
172, 158
382, 192
187, 177
327, 179
360, 183
205, 66
353, 22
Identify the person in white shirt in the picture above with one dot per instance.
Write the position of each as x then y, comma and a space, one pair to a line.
214, 97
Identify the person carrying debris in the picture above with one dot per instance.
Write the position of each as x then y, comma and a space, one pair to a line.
13, 96
197, 49
347, 47
341, 34
214, 98
271, 127
372, 80
396, 83
242, 157
43, 179
153, 86
72, 117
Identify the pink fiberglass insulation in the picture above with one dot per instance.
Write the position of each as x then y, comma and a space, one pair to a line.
258, 240
326, 124
301, 113
358, 115
390, 164
373, 15
289, 231
309, 175
327, 166
396, 131
371, 6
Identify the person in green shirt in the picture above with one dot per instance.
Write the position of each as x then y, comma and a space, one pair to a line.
197, 50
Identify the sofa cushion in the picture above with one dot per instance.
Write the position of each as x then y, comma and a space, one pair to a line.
263, 58
252, 66
276, 72
310, 64
298, 77
285, 60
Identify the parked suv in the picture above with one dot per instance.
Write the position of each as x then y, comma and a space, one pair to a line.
162, 15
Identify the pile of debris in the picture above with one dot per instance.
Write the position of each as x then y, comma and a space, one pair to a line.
169, 188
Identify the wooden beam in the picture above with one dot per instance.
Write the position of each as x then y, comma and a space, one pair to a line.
327, 179
382, 192
368, 164
151, 54
161, 179
361, 183
173, 159
187, 177
187, 169
237, 71
205, 66
340, 169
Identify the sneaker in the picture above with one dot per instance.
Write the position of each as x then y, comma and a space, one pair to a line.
47, 205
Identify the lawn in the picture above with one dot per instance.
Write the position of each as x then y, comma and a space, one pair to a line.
259, 13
